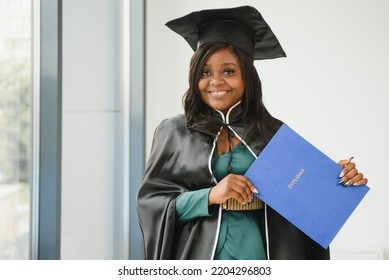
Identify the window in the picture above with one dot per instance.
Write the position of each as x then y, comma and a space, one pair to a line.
15, 127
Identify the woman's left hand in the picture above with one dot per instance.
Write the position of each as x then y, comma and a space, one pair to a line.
350, 174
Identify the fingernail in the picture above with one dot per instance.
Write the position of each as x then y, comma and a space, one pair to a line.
255, 190
341, 181
341, 174
347, 183
356, 184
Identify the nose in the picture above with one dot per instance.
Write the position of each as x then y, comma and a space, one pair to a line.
216, 80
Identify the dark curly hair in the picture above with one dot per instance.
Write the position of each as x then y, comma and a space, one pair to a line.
255, 117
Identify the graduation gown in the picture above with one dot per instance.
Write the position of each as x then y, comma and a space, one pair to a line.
180, 161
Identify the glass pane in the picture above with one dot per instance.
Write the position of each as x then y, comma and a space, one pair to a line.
15, 127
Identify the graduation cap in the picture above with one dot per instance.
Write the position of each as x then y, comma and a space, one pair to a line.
243, 27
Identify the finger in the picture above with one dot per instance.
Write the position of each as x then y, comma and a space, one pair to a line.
349, 178
361, 182
243, 190
344, 162
243, 182
243, 186
347, 168
246, 181
236, 187
350, 174
347, 175
253, 189
353, 178
240, 197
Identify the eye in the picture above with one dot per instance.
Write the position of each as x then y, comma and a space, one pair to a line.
205, 73
228, 71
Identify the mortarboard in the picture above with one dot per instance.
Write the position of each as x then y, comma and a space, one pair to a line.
243, 27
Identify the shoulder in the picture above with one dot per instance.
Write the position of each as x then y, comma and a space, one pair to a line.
171, 127
172, 124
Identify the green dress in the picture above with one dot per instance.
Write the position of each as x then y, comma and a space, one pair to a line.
240, 235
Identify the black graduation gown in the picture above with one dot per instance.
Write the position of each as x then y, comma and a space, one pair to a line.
180, 161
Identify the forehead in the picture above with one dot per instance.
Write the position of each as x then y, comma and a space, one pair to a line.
223, 56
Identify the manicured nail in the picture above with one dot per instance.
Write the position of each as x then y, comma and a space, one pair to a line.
347, 183
341, 174
341, 181
255, 190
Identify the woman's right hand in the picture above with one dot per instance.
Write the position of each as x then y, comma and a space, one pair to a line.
232, 186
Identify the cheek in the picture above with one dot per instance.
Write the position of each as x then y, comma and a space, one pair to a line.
239, 86
202, 84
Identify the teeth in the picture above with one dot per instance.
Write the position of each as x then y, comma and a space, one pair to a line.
218, 92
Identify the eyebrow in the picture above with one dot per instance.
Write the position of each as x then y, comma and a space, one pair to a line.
224, 64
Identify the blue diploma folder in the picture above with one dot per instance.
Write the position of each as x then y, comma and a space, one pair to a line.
301, 183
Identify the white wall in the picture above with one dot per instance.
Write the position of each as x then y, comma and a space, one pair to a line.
332, 88
91, 166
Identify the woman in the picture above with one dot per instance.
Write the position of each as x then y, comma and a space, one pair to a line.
195, 202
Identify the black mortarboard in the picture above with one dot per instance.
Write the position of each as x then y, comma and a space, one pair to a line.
243, 27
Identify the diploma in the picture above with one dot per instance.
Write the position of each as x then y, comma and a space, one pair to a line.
301, 183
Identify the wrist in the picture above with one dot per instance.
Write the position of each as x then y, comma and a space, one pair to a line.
211, 200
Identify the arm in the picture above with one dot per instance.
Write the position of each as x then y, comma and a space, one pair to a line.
192, 204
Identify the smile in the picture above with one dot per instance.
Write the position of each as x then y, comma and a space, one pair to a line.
218, 93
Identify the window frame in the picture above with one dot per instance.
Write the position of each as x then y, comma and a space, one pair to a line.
45, 223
